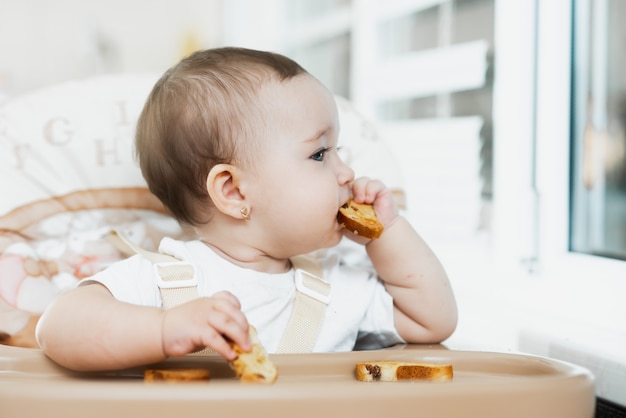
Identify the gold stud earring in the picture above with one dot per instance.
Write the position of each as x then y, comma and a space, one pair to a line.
245, 213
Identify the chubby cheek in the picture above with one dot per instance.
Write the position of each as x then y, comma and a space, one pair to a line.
314, 212
312, 216
321, 205
303, 204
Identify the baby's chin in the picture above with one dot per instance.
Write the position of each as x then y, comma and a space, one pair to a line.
331, 238
322, 243
336, 237
328, 241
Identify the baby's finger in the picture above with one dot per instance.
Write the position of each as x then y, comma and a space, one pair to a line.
228, 328
227, 296
214, 340
229, 305
373, 188
366, 190
358, 189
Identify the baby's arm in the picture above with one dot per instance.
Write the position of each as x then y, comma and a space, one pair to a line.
425, 308
88, 329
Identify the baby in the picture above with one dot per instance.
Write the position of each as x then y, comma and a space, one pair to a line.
241, 146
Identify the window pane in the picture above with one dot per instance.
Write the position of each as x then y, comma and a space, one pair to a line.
598, 203
466, 15
418, 31
299, 10
329, 62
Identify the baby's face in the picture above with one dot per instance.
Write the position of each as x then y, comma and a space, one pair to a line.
300, 181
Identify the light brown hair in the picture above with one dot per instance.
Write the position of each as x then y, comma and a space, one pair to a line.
203, 112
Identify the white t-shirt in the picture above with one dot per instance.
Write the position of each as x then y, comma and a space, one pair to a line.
359, 315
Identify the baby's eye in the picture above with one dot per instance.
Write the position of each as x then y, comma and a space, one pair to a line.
319, 155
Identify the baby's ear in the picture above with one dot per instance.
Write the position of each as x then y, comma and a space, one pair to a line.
223, 187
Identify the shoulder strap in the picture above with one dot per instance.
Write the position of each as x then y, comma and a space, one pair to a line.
178, 284
309, 307
176, 279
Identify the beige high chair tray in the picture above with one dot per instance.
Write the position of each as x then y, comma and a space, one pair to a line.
486, 385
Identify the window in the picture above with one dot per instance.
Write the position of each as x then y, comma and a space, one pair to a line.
598, 176
537, 215
320, 40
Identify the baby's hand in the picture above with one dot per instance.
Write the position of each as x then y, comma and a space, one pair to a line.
205, 322
375, 193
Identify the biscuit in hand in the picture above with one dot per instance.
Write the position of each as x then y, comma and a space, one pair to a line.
361, 219
255, 365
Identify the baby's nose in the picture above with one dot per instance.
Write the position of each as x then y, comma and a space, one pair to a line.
345, 174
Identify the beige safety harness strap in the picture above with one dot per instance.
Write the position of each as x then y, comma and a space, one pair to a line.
176, 279
309, 308
178, 284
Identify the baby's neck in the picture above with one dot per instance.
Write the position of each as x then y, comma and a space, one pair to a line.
250, 258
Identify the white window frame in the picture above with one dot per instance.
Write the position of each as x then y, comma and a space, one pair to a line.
531, 193
561, 304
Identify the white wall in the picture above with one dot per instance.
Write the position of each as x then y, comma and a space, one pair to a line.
44, 42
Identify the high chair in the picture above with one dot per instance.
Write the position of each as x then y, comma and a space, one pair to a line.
69, 176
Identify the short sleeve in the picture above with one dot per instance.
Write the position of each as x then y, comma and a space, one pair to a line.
130, 280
